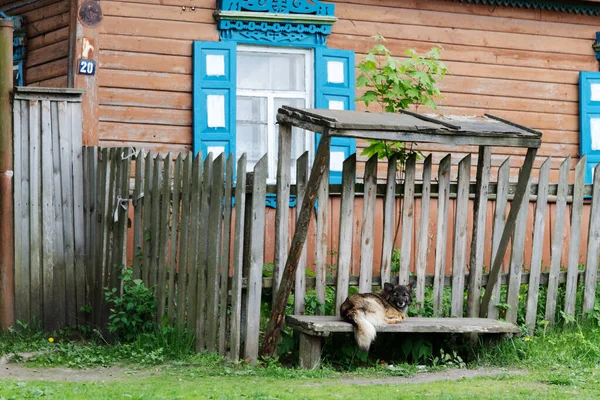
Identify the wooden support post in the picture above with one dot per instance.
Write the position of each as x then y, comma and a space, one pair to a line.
84, 43
276, 320
7, 253
310, 351
479, 231
283, 199
518, 201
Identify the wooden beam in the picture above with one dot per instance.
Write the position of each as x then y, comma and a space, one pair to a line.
89, 106
276, 320
518, 202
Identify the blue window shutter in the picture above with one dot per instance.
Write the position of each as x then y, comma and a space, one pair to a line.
334, 89
589, 120
214, 97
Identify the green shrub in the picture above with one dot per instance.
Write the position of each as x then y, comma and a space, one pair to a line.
134, 312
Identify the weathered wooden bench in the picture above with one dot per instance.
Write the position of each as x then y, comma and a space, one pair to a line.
313, 329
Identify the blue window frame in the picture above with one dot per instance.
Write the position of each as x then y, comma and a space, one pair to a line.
274, 24
589, 114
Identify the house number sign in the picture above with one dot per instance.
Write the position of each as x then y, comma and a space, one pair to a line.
86, 67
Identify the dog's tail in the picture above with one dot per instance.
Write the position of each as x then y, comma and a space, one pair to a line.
364, 331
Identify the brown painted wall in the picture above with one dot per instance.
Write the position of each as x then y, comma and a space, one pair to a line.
516, 63
47, 40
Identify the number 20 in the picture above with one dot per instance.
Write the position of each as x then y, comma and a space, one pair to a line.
86, 67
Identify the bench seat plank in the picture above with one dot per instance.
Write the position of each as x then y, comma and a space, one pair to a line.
324, 325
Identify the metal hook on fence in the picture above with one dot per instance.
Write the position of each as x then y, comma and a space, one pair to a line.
132, 152
123, 203
137, 199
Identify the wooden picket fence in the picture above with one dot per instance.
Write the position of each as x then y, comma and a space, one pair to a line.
50, 273
198, 238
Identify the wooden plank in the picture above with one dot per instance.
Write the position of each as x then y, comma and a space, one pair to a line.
469, 54
283, 197
159, 28
125, 157
147, 220
100, 218
519, 200
463, 36
499, 217
591, 269
47, 54
165, 218
225, 255
47, 24
21, 171
124, 133
35, 184
557, 241
183, 248
157, 12
203, 250
174, 245
192, 248
423, 235
459, 257
324, 325
236, 279
479, 231
67, 212
575, 239
408, 211
516, 262
213, 262
368, 225
345, 231
256, 260
434, 14
537, 249
161, 101
389, 219
156, 223
78, 234
53, 69
48, 38
146, 115
302, 171
21, 270
24, 251
112, 268
442, 230
143, 62
91, 176
50, 302
147, 81
138, 220
322, 233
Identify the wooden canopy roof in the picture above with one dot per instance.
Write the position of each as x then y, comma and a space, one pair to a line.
486, 130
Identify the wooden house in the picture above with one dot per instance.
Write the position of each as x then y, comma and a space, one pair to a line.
181, 75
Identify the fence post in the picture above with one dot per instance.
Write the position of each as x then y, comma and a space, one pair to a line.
7, 255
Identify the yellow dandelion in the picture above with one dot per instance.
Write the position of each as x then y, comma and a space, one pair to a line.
51, 340
528, 339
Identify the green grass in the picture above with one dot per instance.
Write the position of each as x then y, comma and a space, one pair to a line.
560, 362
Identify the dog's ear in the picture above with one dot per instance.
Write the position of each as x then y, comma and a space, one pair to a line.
412, 285
388, 287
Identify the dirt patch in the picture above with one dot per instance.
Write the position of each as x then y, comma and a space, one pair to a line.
426, 377
13, 371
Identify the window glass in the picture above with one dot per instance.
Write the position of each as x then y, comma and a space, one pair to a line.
271, 71
268, 78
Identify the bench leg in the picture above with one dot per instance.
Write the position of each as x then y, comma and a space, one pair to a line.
310, 351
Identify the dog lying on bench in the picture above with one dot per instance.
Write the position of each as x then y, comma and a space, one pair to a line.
366, 310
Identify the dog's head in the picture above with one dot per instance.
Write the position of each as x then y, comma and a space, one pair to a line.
399, 296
